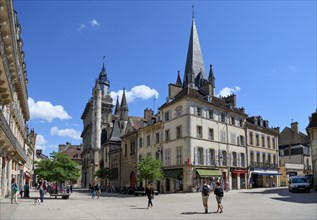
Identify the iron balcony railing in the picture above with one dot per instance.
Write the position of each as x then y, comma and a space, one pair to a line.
263, 165
14, 142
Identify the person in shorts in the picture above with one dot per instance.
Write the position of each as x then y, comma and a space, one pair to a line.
219, 194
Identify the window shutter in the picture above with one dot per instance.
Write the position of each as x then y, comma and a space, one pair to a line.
195, 156
239, 160
207, 157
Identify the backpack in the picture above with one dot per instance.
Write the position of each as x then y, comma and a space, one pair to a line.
205, 190
220, 192
14, 187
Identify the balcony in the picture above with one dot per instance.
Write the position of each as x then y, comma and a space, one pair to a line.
12, 139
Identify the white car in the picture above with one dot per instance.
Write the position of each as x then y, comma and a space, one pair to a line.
298, 183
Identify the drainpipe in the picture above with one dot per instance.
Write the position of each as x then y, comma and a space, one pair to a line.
247, 153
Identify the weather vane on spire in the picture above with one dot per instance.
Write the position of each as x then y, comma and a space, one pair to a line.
193, 10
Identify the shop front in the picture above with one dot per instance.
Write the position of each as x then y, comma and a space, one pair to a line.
264, 178
238, 178
173, 180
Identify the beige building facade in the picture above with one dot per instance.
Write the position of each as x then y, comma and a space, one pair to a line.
17, 142
312, 134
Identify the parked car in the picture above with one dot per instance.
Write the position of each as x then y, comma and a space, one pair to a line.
310, 179
298, 183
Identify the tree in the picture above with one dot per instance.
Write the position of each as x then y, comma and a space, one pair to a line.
58, 168
103, 173
149, 168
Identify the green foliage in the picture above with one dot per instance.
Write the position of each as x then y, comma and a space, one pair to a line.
58, 168
103, 173
149, 169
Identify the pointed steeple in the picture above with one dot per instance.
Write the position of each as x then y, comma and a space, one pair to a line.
115, 133
103, 80
124, 108
179, 81
194, 61
117, 109
211, 77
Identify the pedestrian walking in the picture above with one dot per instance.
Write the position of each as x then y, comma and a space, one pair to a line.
71, 188
14, 191
26, 190
219, 194
93, 191
206, 189
42, 188
98, 190
149, 191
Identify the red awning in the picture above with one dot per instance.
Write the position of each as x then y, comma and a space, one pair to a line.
239, 171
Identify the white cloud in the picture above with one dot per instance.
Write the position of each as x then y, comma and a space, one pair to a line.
291, 67
94, 22
228, 91
81, 27
40, 139
137, 92
68, 132
46, 111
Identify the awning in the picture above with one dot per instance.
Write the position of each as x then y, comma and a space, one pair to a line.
239, 171
266, 172
205, 172
172, 173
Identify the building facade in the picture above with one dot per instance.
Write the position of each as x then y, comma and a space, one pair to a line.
17, 142
294, 150
262, 150
312, 134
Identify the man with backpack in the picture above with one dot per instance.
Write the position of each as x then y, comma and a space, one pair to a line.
206, 189
219, 194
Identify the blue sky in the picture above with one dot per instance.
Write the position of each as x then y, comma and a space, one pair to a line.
263, 51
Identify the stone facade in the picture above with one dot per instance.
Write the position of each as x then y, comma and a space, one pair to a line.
17, 142
312, 134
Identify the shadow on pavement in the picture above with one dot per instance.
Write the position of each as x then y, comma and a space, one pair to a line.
194, 213
299, 197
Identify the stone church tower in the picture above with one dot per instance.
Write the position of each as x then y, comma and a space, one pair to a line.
97, 120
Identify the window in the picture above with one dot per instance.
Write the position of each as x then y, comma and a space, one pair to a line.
199, 132
179, 155
274, 159
179, 131
263, 140
241, 123
233, 121
222, 118
268, 142
269, 158
200, 155
132, 147
211, 134
167, 135
240, 140
258, 157
263, 158
273, 143
178, 111
233, 138
251, 156
198, 111
242, 160
222, 136
212, 157
148, 141
224, 158
167, 116
210, 114
257, 140
157, 137
251, 138
140, 142
167, 157
234, 159
125, 150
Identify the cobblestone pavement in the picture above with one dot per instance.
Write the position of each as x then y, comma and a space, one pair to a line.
272, 203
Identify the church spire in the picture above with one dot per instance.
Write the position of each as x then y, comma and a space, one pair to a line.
103, 80
194, 61
117, 109
179, 81
124, 108
211, 77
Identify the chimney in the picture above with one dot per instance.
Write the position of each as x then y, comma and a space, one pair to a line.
294, 126
148, 113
